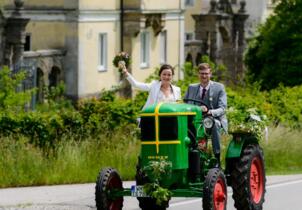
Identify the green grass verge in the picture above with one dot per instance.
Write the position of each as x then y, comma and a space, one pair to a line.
21, 164
73, 162
283, 151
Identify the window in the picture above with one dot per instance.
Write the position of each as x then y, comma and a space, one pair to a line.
102, 66
168, 128
189, 3
163, 47
145, 48
147, 125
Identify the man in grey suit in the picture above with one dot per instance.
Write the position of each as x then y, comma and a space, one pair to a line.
214, 96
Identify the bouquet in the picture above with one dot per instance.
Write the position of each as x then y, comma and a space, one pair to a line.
122, 56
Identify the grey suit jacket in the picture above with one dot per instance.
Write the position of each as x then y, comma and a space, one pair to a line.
216, 100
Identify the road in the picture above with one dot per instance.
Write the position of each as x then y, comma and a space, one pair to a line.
283, 193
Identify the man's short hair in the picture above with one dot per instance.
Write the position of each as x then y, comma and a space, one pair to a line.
203, 66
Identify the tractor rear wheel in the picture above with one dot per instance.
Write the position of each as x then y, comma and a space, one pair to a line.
248, 179
214, 191
108, 180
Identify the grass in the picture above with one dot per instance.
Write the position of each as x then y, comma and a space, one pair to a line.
21, 164
73, 162
283, 151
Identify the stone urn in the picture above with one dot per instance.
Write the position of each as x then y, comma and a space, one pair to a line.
19, 4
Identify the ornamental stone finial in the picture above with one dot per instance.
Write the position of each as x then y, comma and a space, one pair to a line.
242, 6
19, 4
213, 4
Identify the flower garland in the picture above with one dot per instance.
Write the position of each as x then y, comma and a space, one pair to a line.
246, 121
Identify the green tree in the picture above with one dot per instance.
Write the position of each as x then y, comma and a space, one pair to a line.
274, 56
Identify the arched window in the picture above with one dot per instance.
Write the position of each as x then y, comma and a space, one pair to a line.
54, 77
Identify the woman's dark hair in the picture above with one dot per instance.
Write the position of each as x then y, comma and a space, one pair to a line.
165, 66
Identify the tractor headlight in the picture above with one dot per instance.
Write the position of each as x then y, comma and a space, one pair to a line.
208, 122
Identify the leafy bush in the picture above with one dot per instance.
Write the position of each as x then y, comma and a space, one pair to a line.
10, 98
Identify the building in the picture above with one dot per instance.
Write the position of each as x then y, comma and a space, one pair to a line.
221, 28
76, 40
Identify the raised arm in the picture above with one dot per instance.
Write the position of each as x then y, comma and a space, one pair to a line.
132, 80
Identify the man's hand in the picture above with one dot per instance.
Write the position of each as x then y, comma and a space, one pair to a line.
204, 109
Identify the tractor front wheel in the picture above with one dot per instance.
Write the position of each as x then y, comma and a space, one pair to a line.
214, 191
108, 181
248, 179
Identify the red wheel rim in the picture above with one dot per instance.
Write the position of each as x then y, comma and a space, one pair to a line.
256, 180
115, 183
219, 195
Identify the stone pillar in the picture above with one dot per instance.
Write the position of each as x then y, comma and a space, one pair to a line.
15, 37
213, 45
240, 19
133, 22
206, 29
2, 23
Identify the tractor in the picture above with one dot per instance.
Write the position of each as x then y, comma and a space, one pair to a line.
180, 134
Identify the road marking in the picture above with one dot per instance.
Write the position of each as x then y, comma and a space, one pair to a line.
283, 184
185, 202
180, 203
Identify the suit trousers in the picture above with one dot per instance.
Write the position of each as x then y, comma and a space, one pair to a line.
216, 134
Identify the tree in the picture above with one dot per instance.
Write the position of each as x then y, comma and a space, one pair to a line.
274, 56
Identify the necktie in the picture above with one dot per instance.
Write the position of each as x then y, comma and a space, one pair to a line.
203, 93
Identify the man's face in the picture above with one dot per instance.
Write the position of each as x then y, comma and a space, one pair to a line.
204, 76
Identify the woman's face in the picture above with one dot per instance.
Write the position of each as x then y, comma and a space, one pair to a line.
166, 76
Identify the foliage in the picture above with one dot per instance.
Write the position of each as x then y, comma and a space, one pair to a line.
158, 169
246, 121
90, 117
10, 98
286, 106
54, 99
219, 73
274, 56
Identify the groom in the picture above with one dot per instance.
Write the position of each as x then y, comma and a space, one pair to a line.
214, 96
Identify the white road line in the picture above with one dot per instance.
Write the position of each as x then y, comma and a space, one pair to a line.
230, 193
185, 202
283, 184
196, 200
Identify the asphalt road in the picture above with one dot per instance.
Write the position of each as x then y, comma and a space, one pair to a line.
283, 193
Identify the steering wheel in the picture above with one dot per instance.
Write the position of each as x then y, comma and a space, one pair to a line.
200, 102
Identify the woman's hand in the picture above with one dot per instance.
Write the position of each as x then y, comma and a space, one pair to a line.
122, 66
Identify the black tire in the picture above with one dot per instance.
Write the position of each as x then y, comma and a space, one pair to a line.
108, 179
146, 203
214, 191
248, 179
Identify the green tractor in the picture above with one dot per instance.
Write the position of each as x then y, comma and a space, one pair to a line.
179, 134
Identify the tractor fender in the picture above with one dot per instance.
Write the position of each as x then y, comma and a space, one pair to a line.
238, 143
